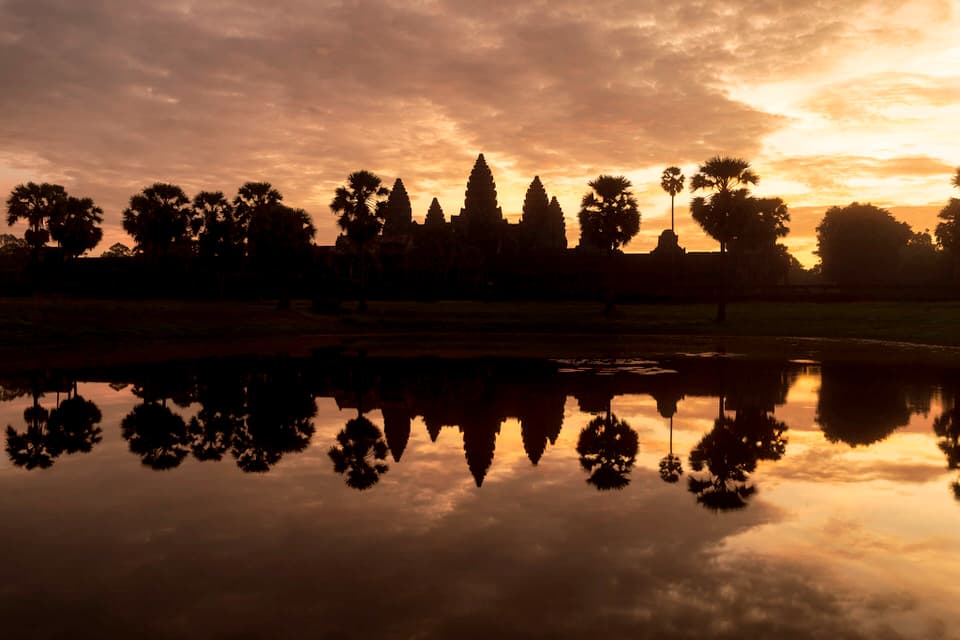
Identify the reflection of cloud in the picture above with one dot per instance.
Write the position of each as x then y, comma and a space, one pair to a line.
825, 464
534, 553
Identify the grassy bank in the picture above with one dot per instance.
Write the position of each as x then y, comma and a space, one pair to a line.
47, 330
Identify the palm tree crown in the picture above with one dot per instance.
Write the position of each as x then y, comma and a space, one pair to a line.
672, 180
360, 206
723, 174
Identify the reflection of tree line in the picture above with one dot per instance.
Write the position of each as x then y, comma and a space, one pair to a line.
259, 415
70, 427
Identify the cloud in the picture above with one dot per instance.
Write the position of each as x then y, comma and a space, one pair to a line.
840, 172
884, 98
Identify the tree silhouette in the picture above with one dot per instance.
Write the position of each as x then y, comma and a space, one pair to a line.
156, 434
434, 215
73, 424
672, 182
398, 215
671, 468
222, 398
75, 227
861, 244
219, 234
727, 178
279, 241
947, 428
159, 220
38, 204
730, 453
359, 453
250, 198
34, 448
608, 450
609, 216
280, 411
360, 209
12, 247
117, 250
948, 231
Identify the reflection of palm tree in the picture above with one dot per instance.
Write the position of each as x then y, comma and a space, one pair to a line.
70, 428
74, 424
670, 466
279, 421
730, 453
359, 453
947, 428
157, 435
32, 449
608, 449
220, 417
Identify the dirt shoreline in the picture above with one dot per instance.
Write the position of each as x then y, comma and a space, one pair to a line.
47, 333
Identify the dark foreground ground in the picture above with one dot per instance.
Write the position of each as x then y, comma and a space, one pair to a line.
47, 332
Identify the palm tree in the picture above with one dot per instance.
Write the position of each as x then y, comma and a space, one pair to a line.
727, 178
609, 218
361, 209
956, 179
38, 204
672, 182
251, 198
279, 241
159, 219
76, 227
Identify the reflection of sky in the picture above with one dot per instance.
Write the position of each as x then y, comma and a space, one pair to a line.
839, 542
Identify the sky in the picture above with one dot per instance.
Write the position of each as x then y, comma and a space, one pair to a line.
831, 102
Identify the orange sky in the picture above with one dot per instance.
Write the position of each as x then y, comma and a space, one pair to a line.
831, 101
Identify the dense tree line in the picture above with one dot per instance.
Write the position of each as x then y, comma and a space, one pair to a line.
859, 245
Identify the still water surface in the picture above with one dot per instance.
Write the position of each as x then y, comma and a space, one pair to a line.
353, 497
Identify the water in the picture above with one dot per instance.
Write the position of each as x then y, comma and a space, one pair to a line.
353, 497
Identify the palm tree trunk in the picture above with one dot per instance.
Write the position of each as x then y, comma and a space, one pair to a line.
671, 212
610, 301
722, 302
362, 303
671, 436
